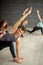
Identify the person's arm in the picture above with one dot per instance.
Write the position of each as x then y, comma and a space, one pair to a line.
15, 26
39, 15
17, 48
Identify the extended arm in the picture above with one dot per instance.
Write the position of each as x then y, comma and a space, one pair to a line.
39, 15
15, 26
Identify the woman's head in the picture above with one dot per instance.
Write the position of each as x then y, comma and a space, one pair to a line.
3, 24
22, 28
20, 31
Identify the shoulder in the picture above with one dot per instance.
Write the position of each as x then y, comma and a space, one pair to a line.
1, 32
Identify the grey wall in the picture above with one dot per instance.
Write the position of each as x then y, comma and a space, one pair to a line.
13, 9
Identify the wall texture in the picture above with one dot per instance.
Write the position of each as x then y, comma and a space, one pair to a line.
13, 9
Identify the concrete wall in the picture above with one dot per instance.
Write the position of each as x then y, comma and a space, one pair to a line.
13, 9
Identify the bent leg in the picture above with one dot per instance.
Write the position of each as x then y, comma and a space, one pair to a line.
42, 30
34, 29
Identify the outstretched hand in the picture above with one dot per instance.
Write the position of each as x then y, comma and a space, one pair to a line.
37, 11
30, 10
27, 10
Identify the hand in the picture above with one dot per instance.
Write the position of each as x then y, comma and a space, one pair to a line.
37, 11
18, 60
25, 11
30, 10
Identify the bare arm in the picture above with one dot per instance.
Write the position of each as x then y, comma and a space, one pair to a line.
39, 15
15, 26
17, 48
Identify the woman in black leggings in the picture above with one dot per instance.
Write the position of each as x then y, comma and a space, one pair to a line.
39, 26
4, 44
12, 35
35, 29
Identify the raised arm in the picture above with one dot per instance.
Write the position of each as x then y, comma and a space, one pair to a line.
39, 15
15, 26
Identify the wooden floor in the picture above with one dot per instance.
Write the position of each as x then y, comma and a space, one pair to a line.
31, 48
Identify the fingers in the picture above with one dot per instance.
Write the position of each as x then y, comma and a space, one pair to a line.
30, 10
25, 11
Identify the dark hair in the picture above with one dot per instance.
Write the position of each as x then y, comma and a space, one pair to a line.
22, 27
2, 22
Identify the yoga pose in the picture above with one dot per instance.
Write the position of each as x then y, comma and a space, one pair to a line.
7, 41
39, 26
8, 37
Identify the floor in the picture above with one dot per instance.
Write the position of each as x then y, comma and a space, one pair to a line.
31, 48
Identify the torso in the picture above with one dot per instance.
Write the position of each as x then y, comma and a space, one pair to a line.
40, 24
8, 37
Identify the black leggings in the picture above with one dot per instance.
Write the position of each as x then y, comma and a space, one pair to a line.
4, 44
35, 29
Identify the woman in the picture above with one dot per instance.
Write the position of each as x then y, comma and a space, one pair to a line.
12, 35
7, 40
39, 26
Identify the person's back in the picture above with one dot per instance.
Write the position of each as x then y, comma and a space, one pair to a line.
40, 24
